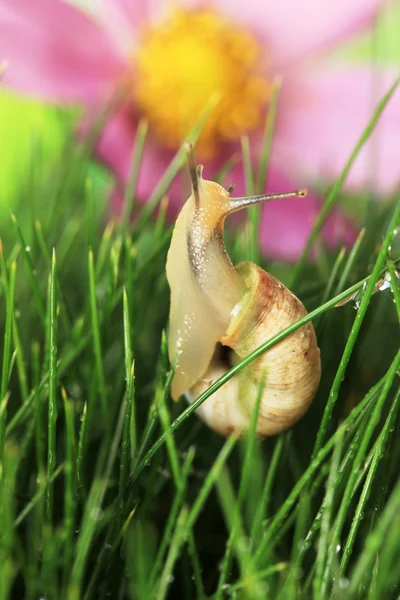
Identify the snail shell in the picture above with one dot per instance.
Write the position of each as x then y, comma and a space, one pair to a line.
220, 313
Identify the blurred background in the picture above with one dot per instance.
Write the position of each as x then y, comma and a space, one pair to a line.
33, 128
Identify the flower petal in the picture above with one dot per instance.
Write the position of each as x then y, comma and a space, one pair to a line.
134, 13
322, 118
123, 19
115, 151
296, 29
54, 51
286, 224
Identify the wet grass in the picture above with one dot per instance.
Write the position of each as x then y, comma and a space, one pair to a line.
111, 490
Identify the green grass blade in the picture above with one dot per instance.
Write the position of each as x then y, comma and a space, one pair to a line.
93, 509
267, 489
268, 137
394, 286
374, 543
7, 538
38, 496
174, 166
350, 261
81, 452
335, 190
209, 481
244, 482
387, 430
130, 190
240, 365
174, 549
319, 583
369, 290
70, 480
318, 323
5, 370
31, 271
52, 406
173, 514
97, 352
358, 461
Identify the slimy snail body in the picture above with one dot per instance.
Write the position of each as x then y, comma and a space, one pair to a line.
220, 312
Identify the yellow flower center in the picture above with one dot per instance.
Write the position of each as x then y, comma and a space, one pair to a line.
189, 59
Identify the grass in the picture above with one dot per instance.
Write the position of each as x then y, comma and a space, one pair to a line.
111, 490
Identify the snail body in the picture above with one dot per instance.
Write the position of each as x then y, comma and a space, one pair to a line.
220, 312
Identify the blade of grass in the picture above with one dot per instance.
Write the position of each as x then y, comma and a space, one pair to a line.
268, 137
226, 168
240, 544
173, 513
328, 289
31, 271
65, 315
10, 293
378, 453
89, 213
39, 429
319, 584
140, 463
174, 166
38, 496
394, 286
226, 561
52, 366
350, 261
7, 537
93, 508
174, 550
304, 480
81, 452
21, 365
375, 540
180, 479
209, 482
70, 479
104, 249
262, 511
130, 190
369, 290
358, 426
97, 352
129, 434
335, 541
254, 579
253, 213
336, 188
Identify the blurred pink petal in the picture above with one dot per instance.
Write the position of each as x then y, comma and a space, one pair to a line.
56, 52
115, 151
123, 19
116, 142
134, 13
323, 114
286, 224
298, 29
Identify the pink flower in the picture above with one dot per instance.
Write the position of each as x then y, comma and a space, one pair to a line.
170, 61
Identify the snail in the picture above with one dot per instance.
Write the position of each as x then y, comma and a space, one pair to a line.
219, 313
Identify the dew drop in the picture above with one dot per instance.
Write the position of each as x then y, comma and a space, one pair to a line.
343, 583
